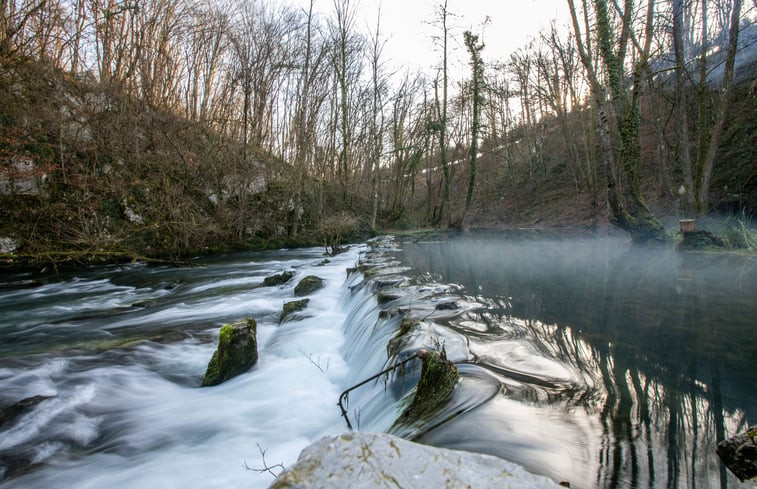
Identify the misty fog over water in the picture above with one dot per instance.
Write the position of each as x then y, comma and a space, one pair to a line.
620, 366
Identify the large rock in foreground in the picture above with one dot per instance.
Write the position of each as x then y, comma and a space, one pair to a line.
368, 461
237, 352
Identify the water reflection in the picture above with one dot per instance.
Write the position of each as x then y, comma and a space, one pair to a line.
621, 366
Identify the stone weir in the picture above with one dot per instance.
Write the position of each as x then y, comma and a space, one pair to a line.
421, 371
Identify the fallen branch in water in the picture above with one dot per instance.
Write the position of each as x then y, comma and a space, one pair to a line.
266, 467
345, 395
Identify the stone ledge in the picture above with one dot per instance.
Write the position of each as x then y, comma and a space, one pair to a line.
368, 461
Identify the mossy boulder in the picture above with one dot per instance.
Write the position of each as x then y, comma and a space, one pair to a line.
291, 307
308, 285
279, 279
697, 240
437, 381
237, 352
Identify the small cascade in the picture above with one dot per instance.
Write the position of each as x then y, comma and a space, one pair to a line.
382, 302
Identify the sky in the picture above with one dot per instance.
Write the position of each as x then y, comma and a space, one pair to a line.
406, 26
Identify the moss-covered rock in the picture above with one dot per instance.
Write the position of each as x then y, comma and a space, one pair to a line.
291, 307
237, 352
384, 297
437, 381
396, 343
308, 285
279, 279
697, 240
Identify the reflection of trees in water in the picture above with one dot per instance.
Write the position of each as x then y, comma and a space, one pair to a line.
657, 431
648, 334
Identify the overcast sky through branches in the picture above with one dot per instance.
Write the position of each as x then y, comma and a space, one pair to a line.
405, 25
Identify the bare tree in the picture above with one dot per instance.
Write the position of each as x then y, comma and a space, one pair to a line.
477, 99
379, 89
312, 93
13, 18
628, 209
697, 173
441, 20
346, 63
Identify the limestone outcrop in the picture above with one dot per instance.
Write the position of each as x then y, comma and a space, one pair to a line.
368, 461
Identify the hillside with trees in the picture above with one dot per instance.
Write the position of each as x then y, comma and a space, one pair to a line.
168, 128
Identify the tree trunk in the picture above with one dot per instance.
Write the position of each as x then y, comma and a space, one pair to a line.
683, 152
628, 210
704, 173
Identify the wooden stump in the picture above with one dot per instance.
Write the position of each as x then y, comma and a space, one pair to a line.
687, 225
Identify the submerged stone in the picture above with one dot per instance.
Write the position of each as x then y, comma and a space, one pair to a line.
279, 279
447, 306
20, 408
237, 352
368, 460
308, 285
739, 454
437, 381
291, 307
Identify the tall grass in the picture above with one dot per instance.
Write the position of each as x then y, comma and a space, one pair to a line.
741, 234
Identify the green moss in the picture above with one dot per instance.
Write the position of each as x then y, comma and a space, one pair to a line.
698, 240
308, 285
237, 352
292, 307
224, 336
437, 381
279, 279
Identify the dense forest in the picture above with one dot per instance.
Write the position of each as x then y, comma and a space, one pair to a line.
174, 127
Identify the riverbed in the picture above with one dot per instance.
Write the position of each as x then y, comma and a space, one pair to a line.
584, 359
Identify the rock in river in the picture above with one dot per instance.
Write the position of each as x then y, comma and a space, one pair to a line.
367, 461
292, 307
308, 285
438, 379
279, 279
237, 352
739, 454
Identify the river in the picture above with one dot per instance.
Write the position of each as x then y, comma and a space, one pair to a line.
583, 359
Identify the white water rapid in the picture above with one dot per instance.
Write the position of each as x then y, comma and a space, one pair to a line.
121, 352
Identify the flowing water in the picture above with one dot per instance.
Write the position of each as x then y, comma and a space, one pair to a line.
583, 359
619, 366
121, 351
